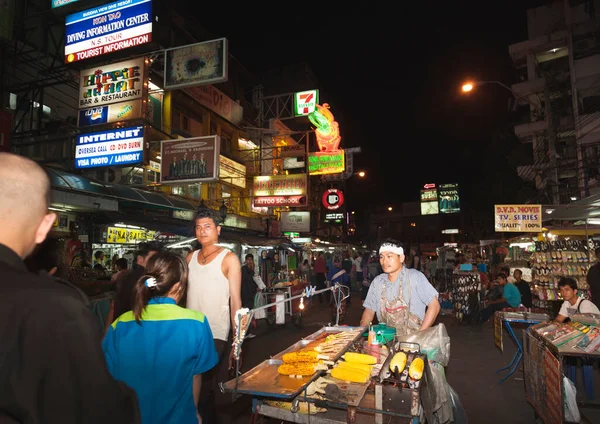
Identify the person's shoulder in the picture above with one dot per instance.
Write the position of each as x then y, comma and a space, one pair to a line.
231, 257
379, 279
415, 273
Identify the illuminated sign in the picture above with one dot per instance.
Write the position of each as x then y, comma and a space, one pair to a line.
59, 3
112, 83
127, 235
327, 131
450, 231
276, 201
123, 146
429, 195
428, 186
332, 199
232, 172
449, 198
295, 150
518, 218
280, 185
305, 102
429, 208
108, 114
107, 28
336, 217
326, 163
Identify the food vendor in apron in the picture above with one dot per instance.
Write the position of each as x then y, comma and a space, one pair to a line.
396, 312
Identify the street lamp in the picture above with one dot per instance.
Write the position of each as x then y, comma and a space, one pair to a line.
389, 208
361, 174
223, 210
469, 86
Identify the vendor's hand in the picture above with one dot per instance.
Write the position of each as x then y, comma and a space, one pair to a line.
232, 358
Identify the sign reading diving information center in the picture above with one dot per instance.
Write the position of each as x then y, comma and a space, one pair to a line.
123, 146
107, 28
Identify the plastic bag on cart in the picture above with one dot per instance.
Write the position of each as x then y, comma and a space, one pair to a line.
458, 412
259, 282
571, 410
434, 342
260, 300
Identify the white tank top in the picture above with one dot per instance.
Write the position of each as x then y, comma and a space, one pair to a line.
208, 292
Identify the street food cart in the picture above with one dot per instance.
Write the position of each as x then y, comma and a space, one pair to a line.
325, 396
293, 307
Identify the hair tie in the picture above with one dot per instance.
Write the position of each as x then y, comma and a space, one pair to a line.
150, 282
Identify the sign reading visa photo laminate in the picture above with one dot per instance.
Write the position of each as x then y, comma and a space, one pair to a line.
123, 146
112, 83
196, 64
190, 159
518, 218
107, 28
110, 113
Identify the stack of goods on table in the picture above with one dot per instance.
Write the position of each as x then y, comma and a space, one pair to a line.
465, 294
575, 335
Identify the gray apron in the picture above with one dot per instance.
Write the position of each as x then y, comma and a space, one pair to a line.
396, 312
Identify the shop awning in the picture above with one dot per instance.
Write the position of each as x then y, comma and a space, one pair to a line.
62, 180
578, 210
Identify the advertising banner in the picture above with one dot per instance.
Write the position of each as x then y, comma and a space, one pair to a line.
190, 160
518, 218
59, 3
232, 172
108, 28
123, 146
295, 221
215, 100
323, 163
280, 185
112, 83
332, 199
196, 64
449, 198
109, 114
121, 235
277, 201
305, 102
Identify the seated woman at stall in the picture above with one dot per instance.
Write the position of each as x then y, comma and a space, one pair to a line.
573, 304
511, 298
159, 348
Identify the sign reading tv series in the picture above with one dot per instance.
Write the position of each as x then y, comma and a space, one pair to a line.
190, 159
108, 28
196, 64
123, 146
518, 218
112, 83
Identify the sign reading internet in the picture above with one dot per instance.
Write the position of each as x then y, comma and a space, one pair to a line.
107, 28
518, 218
116, 147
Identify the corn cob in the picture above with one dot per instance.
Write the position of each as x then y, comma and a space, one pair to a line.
300, 368
354, 366
360, 358
415, 371
352, 375
308, 356
399, 360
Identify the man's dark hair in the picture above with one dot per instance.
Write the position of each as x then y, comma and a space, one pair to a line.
566, 281
121, 263
46, 256
98, 254
394, 242
249, 256
146, 247
207, 213
501, 275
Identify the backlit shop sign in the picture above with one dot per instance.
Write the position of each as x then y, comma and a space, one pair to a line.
275, 201
280, 185
123, 146
111, 83
107, 28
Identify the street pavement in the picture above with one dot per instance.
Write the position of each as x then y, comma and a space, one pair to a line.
471, 371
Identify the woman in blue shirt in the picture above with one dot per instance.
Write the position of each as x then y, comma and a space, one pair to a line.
160, 349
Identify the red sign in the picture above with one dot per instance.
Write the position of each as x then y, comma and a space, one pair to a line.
5, 128
333, 199
274, 201
426, 186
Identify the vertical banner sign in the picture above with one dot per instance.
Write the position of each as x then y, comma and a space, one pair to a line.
108, 28
518, 218
551, 370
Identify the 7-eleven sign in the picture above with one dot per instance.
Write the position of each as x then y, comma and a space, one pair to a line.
305, 102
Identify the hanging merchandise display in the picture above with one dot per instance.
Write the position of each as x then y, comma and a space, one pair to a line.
465, 294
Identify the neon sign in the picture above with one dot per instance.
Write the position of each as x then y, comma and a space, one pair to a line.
327, 131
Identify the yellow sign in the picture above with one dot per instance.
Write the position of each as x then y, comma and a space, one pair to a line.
280, 185
128, 235
326, 163
232, 172
518, 218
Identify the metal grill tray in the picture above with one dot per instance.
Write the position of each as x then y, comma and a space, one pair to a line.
264, 380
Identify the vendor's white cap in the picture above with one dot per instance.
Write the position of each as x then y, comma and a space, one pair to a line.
389, 247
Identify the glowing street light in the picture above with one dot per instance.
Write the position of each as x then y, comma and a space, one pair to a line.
467, 87
390, 208
362, 174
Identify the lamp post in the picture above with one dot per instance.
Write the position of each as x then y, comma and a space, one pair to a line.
469, 86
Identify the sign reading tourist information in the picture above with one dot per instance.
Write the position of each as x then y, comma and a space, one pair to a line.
108, 28
518, 218
123, 146
112, 83
305, 102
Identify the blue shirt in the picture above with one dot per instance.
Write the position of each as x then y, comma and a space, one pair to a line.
159, 358
512, 295
421, 295
342, 279
482, 267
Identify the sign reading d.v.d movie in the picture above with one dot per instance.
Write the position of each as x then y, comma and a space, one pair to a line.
107, 28
518, 218
123, 146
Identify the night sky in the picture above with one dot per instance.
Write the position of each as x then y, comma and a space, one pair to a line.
393, 75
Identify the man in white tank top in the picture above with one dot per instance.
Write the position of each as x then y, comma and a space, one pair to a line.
214, 288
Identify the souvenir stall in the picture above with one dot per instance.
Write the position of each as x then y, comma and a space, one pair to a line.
549, 374
465, 294
346, 374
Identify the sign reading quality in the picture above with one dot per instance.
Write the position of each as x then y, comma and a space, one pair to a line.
518, 218
107, 28
122, 146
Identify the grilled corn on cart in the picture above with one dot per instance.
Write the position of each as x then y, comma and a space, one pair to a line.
321, 397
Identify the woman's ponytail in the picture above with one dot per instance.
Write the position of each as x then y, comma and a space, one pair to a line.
143, 291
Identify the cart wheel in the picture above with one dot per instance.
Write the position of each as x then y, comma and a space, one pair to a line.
271, 319
297, 320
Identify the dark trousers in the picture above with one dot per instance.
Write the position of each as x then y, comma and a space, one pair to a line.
207, 403
487, 312
320, 286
